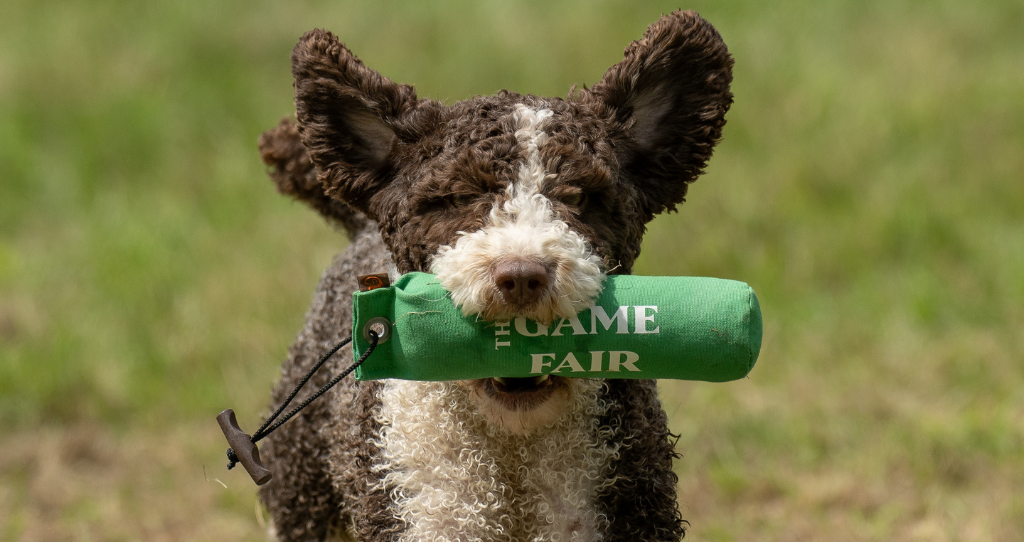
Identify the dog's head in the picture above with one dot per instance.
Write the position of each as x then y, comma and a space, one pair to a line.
519, 204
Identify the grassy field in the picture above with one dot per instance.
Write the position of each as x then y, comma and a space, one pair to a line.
870, 187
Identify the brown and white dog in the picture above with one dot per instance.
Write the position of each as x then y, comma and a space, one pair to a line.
521, 205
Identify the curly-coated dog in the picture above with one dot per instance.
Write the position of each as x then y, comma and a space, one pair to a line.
521, 205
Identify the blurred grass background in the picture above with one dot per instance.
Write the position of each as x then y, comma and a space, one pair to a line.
869, 187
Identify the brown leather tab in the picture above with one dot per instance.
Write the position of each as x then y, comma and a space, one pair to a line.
374, 281
246, 452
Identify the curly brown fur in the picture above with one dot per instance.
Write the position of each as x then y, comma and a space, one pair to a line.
331, 434
418, 185
645, 482
295, 175
671, 130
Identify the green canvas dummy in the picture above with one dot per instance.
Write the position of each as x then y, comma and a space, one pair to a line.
687, 328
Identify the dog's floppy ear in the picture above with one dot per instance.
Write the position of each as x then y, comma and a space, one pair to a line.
668, 98
351, 118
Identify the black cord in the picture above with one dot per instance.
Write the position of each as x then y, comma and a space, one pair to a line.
295, 391
264, 430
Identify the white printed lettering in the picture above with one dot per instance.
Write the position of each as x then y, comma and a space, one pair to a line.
501, 328
569, 362
521, 328
640, 319
596, 359
538, 364
615, 361
574, 321
499, 343
598, 314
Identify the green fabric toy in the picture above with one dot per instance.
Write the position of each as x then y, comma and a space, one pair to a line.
687, 328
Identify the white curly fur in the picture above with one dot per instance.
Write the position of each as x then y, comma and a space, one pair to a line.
456, 477
524, 227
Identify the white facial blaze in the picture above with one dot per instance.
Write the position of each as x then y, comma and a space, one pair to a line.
524, 227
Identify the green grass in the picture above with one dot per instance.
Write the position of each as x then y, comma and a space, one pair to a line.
868, 187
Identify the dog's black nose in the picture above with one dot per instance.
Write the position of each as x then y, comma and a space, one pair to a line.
520, 282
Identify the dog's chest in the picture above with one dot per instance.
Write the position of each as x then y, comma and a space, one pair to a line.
454, 477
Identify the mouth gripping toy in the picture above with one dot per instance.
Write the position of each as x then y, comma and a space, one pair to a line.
688, 328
